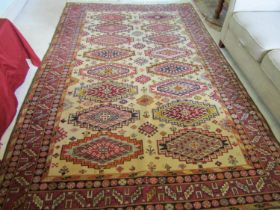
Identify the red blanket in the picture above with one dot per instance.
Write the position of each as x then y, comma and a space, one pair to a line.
14, 50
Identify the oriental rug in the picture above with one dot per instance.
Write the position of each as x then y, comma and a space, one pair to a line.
134, 107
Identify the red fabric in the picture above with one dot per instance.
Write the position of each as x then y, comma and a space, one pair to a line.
14, 50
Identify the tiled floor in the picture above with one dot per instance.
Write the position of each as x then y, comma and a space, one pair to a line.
38, 21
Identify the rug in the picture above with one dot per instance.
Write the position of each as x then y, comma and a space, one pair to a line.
207, 9
134, 107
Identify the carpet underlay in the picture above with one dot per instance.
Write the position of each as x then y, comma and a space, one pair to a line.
134, 107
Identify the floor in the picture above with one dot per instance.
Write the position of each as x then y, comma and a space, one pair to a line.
38, 21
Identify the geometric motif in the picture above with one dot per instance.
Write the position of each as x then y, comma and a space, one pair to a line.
108, 71
109, 40
145, 100
109, 54
139, 46
141, 61
160, 27
104, 117
143, 79
185, 113
157, 16
60, 134
194, 145
173, 68
166, 53
107, 91
148, 129
112, 27
111, 17
178, 88
165, 39
102, 151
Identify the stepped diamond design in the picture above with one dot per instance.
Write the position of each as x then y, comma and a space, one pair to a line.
112, 27
194, 145
111, 17
107, 91
109, 40
173, 68
108, 71
145, 100
160, 27
109, 54
102, 151
148, 129
165, 39
178, 88
158, 16
167, 53
104, 117
185, 113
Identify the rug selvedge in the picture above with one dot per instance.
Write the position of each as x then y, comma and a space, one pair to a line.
157, 122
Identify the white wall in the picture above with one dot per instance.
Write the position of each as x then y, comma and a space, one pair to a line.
11, 8
4, 4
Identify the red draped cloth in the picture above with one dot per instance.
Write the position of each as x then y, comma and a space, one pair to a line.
14, 50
